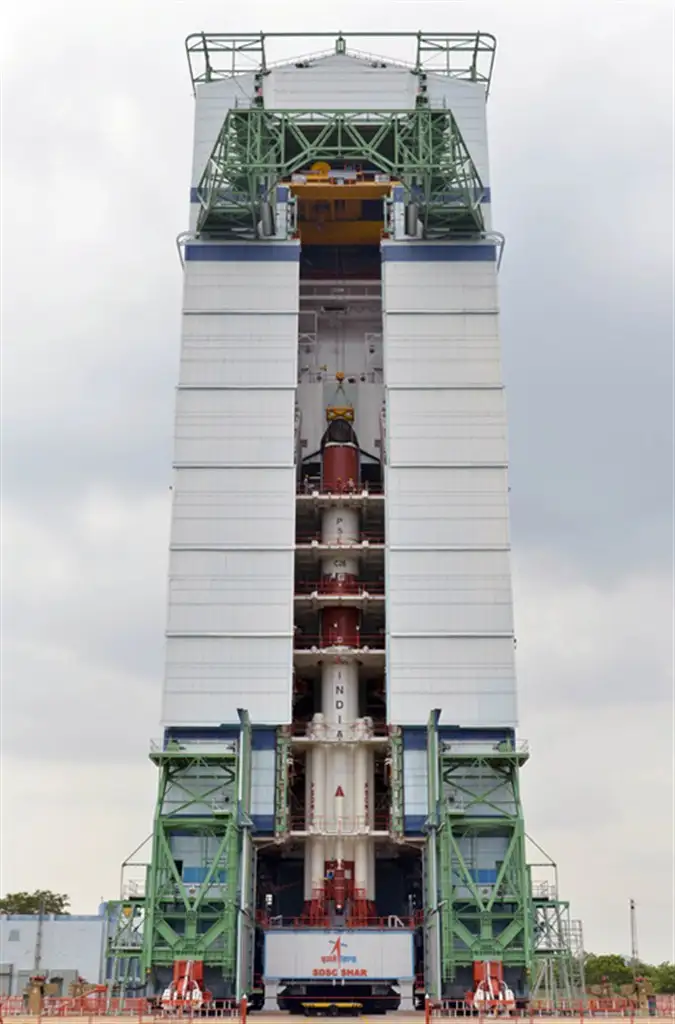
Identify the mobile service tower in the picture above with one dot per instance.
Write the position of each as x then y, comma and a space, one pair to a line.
339, 812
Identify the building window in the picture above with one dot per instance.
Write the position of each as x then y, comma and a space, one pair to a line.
13, 935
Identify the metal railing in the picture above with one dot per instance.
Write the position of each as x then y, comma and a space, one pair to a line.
313, 486
367, 642
330, 587
476, 747
100, 1004
366, 537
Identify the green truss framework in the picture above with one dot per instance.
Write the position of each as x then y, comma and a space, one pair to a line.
494, 922
514, 920
468, 56
558, 978
258, 148
173, 919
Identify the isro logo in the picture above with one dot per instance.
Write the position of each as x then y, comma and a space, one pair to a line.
336, 956
336, 961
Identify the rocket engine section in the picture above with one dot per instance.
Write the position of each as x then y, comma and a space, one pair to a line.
340, 867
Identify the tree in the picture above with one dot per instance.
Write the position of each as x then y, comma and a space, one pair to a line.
609, 966
34, 902
663, 977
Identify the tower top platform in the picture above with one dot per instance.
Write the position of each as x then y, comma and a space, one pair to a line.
468, 56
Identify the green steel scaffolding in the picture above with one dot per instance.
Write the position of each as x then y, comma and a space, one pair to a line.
472, 914
423, 149
189, 906
481, 799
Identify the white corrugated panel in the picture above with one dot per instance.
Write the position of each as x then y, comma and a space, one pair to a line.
230, 592
233, 428
439, 287
234, 499
415, 793
263, 764
234, 350
471, 679
442, 350
213, 101
233, 508
442, 427
449, 592
441, 507
466, 100
339, 82
263, 287
209, 678
449, 612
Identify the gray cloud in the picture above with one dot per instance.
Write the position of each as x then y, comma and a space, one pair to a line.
97, 137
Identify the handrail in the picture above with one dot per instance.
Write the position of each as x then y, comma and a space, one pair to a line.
330, 587
313, 486
367, 642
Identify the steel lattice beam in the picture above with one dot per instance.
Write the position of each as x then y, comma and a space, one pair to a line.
257, 148
468, 56
478, 922
173, 919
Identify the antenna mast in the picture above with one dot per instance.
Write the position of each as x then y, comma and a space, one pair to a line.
633, 938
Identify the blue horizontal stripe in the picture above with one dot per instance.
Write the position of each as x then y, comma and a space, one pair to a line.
418, 252
415, 739
263, 822
264, 739
253, 252
453, 732
413, 824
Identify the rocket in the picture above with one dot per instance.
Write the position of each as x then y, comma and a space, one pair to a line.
339, 865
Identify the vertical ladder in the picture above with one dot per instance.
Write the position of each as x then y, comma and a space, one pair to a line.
396, 824
281, 795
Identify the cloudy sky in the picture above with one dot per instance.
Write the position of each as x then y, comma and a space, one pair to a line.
97, 133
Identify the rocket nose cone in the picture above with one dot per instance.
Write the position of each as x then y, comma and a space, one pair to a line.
339, 431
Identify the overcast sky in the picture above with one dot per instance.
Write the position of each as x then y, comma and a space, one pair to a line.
97, 135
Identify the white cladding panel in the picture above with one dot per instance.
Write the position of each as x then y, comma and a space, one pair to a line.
444, 426
230, 616
439, 287
241, 287
442, 350
471, 679
235, 428
430, 507
209, 678
313, 954
449, 592
449, 606
466, 100
213, 101
232, 508
339, 82
263, 763
234, 350
415, 787
231, 592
